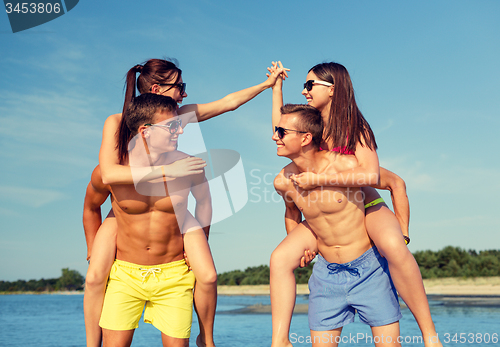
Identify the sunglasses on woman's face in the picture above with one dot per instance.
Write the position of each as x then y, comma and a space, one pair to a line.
309, 84
172, 127
181, 86
282, 132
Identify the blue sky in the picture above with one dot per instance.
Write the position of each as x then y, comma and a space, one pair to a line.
426, 77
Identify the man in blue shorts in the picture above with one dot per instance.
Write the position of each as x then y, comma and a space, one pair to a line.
350, 275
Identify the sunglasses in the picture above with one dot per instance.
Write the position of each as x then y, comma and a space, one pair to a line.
181, 86
172, 127
309, 84
282, 132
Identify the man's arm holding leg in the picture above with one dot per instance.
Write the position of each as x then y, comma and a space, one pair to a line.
95, 196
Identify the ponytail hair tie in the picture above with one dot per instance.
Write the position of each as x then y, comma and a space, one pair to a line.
138, 68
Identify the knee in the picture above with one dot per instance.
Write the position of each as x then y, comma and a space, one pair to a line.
394, 248
208, 278
95, 279
280, 260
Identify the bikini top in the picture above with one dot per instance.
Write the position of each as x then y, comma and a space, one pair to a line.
341, 150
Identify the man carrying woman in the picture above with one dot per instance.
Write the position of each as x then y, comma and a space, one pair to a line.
329, 89
156, 76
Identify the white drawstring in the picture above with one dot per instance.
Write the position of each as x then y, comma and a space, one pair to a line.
145, 273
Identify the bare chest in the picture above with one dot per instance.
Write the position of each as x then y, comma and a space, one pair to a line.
322, 201
161, 196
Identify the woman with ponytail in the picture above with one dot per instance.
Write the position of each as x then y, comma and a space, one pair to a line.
329, 89
162, 77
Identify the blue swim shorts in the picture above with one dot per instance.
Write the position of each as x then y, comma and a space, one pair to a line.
364, 285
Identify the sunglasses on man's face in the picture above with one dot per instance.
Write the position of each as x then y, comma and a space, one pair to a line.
181, 86
172, 127
282, 131
309, 84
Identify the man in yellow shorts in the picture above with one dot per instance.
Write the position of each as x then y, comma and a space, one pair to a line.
149, 268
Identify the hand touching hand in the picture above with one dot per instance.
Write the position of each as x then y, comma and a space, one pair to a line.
277, 73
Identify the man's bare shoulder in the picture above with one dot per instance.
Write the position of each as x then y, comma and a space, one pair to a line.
179, 155
171, 157
96, 181
282, 181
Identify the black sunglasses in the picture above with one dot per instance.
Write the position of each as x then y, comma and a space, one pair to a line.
282, 132
309, 84
181, 86
172, 127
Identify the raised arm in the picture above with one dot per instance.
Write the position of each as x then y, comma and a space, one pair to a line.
230, 102
114, 173
277, 69
95, 196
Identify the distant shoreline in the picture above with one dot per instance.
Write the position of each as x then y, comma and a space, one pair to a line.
480, 291
55, 292
489, 286
436, 289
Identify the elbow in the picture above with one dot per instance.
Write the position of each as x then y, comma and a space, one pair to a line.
398, 185
106, 179
374, 179
231, 103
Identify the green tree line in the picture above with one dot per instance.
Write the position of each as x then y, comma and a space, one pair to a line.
69, 280
448, 262
457, 262
258, 275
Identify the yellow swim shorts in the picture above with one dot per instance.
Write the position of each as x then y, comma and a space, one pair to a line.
166, 289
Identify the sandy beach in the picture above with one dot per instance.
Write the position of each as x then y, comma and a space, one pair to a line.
481, 291
441, 286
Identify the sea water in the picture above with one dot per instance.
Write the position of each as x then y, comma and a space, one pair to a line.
57, 320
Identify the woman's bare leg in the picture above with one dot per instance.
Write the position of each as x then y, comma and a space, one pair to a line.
102, 257
285, 259
205, 292
385, 231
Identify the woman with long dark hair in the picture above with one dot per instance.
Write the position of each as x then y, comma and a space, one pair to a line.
329, 89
